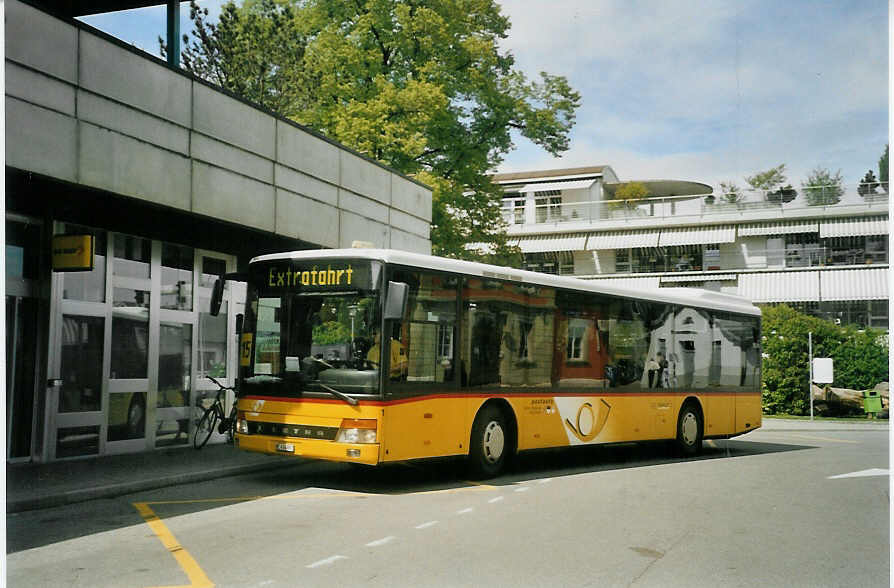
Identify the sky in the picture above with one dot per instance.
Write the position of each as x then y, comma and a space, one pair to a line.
701, 90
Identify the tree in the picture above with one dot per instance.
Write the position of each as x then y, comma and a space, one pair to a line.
883, 169
255, 51
420, 86
632, 191
822, 187
868, 184
767, 180
730, 192
861, 360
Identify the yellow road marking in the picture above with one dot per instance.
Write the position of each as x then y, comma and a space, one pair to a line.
197, 577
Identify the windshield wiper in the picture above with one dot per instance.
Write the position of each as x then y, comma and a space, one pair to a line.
342, 395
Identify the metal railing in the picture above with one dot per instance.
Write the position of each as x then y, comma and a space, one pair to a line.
808, 255
785, 201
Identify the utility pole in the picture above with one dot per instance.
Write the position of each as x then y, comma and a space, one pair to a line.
173, 33
810, 383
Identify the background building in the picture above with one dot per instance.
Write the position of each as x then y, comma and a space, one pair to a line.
178, 182
822, 249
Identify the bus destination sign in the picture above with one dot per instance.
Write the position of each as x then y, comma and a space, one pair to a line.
315, 277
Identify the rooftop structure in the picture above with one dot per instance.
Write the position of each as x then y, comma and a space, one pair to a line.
823, 249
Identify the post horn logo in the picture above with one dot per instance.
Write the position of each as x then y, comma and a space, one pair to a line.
589, 427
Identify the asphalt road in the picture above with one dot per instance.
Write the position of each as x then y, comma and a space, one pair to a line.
768, 508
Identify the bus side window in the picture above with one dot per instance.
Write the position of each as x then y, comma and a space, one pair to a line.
422, 345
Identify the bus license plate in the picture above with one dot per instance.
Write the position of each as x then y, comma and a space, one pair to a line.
286, 447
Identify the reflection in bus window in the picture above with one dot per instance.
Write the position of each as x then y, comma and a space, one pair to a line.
421, 346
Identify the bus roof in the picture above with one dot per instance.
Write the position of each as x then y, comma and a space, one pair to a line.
684, 296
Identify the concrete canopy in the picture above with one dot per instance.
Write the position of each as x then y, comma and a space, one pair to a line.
659, 188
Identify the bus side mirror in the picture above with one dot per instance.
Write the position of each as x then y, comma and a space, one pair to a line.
240, 319
217, 296
218, 289
396, 301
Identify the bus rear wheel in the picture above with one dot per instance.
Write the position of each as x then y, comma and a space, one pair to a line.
490, 444
690, 430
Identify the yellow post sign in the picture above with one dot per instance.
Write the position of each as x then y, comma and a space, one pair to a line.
72, 253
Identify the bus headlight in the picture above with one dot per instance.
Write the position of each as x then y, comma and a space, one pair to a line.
241, 424
357, 431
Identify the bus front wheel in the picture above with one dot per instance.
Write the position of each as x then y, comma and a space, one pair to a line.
690, 429
490, 443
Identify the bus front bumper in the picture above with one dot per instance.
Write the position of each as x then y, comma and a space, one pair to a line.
366, 453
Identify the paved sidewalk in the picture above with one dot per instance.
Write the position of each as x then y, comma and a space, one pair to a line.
37, 486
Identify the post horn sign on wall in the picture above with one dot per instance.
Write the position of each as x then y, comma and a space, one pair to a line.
73, 253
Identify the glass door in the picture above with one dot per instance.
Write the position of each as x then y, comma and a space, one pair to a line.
23, 321
80, 343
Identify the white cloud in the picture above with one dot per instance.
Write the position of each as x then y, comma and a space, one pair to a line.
712, 90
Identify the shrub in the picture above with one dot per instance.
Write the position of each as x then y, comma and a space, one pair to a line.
860, 357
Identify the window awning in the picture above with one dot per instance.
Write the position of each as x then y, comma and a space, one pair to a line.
857, 284
754, 229
780, 286
544, 243
699, 278
854, 227
622, 240
569, 185
697, 235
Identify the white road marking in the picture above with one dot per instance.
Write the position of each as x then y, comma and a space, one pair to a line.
497, 499
465, 510
544, 481
522, 489
862, 474
427, 525
381, 541
326, 562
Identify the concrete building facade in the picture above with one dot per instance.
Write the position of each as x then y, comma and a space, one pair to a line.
177, 182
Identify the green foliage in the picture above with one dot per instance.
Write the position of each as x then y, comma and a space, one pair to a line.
860, 359
730, 192
822, 187
254, 50
331, 332
629, 193
767, 180
868, 184
420, 86
883, 167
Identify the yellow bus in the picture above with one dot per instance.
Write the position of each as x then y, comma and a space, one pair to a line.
373, 356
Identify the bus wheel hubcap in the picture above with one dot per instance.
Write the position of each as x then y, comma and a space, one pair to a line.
689, 428
493, 442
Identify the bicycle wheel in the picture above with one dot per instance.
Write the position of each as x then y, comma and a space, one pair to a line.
205, 427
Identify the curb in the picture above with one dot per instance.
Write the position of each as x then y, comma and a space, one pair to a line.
120, 489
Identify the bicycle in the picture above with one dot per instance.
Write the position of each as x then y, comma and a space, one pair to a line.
213, 418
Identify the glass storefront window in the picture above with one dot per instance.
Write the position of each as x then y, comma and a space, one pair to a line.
174, 367
212, 268
87, 286
127, 416
132, 256
130, 343
176, 276
81, 363
212, 341
77, 441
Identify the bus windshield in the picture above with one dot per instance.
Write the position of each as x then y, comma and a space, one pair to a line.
312, 328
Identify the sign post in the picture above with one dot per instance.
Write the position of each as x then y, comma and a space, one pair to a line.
823, 373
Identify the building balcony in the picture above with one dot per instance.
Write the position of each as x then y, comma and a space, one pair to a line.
746, 205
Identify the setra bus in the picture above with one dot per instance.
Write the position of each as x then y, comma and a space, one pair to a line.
373, 356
